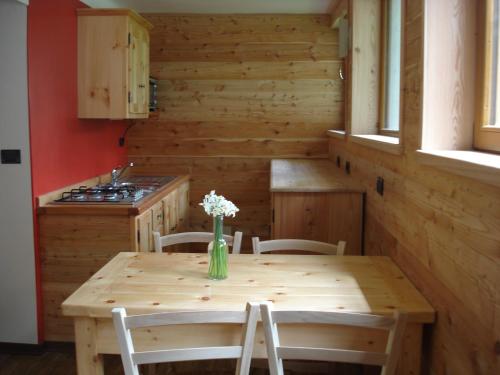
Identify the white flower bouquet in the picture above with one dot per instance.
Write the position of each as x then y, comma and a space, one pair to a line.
216, 205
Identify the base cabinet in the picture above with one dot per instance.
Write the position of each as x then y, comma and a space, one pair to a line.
76, 244
327, 217
167, 216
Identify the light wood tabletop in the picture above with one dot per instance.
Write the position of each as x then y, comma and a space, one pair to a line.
311, 176
146, 283
158, 282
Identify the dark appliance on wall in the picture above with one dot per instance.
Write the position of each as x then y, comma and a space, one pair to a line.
153, 94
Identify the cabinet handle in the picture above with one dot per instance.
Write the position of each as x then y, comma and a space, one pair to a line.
142, 86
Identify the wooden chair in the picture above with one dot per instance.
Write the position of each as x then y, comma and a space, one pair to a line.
132, 359
303, 245
190, 237
276, 353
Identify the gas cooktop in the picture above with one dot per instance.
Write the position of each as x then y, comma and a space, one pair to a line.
128, 191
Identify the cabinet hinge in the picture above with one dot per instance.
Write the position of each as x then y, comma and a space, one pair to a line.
129, 97
138, 236
129, 39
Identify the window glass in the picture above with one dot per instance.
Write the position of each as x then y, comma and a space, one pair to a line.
494, 115
392, 65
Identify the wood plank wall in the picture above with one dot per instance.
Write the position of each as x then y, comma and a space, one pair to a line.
235, 92
443, 231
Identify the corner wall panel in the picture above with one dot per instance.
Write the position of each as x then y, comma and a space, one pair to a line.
236, 91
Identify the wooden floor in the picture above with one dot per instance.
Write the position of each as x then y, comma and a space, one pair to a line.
61, 361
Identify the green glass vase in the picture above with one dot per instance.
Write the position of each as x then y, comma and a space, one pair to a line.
218, 260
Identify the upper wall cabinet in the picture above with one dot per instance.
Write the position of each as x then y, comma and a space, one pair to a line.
113, 64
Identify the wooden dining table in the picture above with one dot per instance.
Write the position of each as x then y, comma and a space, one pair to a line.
153, 282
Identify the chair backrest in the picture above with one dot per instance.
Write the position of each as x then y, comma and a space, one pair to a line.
303, 245
193, 237
132, 359
388, 360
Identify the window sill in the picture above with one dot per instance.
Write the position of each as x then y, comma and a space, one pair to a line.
480, 166
339, 134
380, 142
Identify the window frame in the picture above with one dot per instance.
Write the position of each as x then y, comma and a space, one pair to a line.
381, 129
486, 135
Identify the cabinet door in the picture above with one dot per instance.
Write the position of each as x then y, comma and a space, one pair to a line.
157, 212
170, 223
102, 66
301, 215
183, 207
138, 69
326, 217
144, 227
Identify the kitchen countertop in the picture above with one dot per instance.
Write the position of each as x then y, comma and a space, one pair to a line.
113, 209
312, 176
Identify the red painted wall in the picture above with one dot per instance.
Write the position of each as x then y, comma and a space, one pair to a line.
64, 150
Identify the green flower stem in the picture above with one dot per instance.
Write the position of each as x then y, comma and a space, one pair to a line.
218, 269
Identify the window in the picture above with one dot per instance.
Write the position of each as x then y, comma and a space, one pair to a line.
375, 75
487, 127
461, 87
391, 66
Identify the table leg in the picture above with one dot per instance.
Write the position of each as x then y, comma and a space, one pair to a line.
88, 361
411, 355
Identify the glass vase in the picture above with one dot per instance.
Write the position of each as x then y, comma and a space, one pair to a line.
218, 260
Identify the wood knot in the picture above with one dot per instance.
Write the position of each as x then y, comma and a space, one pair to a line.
156, 303
180, 278
251, 281
203, 262
110, 301
205, 298
341, 307
391, 307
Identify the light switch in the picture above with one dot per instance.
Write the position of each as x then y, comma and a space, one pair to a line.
11, 156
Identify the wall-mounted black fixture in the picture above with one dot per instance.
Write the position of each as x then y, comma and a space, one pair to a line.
347, 167
10, 156
338, 162
121, 140
380, 185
